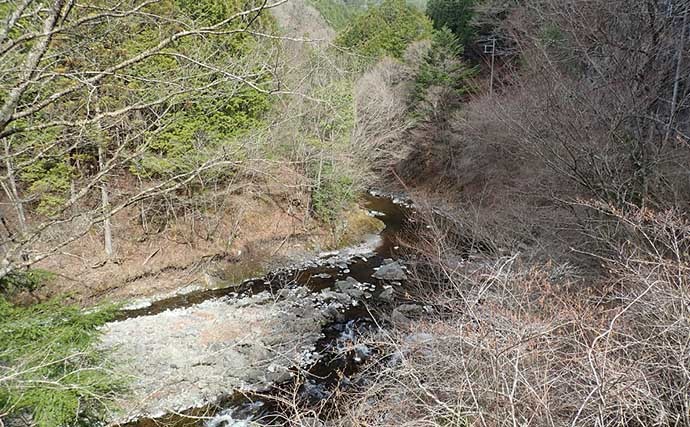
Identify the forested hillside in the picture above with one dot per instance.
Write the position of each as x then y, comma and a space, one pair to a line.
159, 126
555, 261
150, 147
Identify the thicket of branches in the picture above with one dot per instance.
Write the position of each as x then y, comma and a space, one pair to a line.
104, 104
513, 342
572, 180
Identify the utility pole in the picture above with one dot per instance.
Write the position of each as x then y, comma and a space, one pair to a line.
493, 58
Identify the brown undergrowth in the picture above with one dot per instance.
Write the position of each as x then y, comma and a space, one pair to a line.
508, 341
556, 266
235, 233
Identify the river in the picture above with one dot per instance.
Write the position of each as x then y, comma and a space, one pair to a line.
349, 292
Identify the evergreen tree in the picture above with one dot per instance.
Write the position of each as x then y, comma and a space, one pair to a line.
386, 29
443, 67
454, 14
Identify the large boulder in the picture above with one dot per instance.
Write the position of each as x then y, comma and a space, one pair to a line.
391, 271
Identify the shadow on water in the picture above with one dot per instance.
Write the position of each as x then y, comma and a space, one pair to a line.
339, 359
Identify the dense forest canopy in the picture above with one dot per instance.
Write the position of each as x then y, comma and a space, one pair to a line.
386, 29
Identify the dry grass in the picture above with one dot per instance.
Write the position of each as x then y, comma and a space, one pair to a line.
516, 343
232, 234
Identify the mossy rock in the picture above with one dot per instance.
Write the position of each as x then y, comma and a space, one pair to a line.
358, 223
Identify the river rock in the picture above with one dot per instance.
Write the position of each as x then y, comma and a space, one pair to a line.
226, 420
386, 295
398, 318
420, 342
391, 271
328, 254
410, 309
351, 287
403, 313
311, 422
21, 420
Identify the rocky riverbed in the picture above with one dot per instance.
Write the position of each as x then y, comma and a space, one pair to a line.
188, 357
199, 348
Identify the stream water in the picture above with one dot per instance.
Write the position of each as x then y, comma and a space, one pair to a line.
338, 358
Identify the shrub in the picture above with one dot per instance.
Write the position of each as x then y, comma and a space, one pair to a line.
48, 367
514, 341
386, 30
29, 280
49, 183
333, 191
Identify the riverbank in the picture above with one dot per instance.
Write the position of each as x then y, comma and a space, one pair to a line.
261, 219
267, 234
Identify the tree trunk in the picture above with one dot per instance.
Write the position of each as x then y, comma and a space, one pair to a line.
11, 189
105, 201
30, 65
105, 204
676, 81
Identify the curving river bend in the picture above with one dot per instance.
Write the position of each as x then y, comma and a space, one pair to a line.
210, 353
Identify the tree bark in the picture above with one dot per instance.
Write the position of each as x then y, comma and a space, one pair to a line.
105, 204
12, 20
676, 81
105, 201
11, 188
30, 65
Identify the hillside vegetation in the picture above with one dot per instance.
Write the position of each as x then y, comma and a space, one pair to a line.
557, 199
553, 178
149, 145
